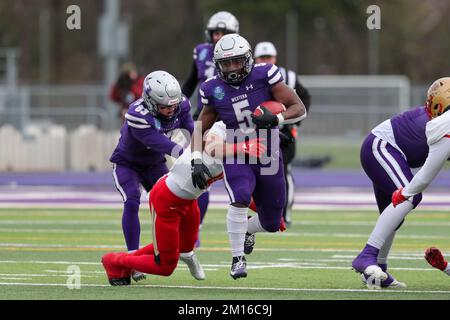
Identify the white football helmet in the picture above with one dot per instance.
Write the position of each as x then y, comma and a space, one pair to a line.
233, 50
161, 88
223, 21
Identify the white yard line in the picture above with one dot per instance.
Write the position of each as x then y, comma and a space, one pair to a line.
225, 265
231, 288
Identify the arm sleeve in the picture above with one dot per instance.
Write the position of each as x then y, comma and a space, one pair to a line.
191, 82
437, 155
157, 141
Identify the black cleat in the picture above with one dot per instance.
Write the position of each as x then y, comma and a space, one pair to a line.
238, 268
120, 281
249, 243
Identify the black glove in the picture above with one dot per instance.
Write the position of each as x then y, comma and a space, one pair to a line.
198, 171
265, 121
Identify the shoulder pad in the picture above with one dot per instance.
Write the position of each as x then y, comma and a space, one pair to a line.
138, 116
438, 128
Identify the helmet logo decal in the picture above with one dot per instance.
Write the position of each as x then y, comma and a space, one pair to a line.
228, 54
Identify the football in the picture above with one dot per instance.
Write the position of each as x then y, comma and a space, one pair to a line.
273, 106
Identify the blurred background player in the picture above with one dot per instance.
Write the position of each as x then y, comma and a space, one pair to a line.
415, 138
219, 24
127, 88
245, 86
265, 52
139, 158
436, 259
203, 67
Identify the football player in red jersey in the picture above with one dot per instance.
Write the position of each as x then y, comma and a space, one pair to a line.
176, 215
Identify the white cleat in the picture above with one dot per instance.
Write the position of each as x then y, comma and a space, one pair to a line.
397, 285
137, 275
374, 277
394, 284
194, 265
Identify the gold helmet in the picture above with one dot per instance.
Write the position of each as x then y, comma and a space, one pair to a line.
438, 97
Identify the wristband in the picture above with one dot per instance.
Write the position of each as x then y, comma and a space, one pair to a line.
280, 119
196, 155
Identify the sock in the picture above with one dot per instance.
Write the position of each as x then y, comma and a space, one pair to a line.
237, 223
447, 270
203, 202
130, 224
187, 254
385, 249
254, 225
387, 222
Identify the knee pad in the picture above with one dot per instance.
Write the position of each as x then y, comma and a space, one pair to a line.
169, 266
271, 226
270, 218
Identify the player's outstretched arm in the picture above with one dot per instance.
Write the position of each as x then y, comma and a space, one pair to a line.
437, 156
295, 109
216, 147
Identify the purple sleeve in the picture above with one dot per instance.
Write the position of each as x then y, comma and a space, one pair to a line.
157, 141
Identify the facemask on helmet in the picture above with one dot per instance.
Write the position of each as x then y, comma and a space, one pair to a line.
233, 58
221, 21
438, 97
162, 91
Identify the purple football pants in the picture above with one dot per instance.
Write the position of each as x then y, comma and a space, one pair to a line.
387, 168
128, 180
242, 181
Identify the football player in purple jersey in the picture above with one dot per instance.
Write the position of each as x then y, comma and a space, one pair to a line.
238, 89
139, 158
203, 67
388, 155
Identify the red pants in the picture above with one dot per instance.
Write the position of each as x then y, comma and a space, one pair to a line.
175, 226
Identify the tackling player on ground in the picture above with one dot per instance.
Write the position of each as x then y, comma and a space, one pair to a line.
176, 214
419, 137
238, 89
139, 156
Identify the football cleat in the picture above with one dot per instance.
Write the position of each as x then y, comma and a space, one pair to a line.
374, 276
390, 282
435, 258
117, 276
137, 275
238, 268
194, 265
249, 242
366, 263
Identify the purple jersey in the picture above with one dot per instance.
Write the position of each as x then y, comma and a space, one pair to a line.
143, 141
203, 58
235, 104
409, 133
